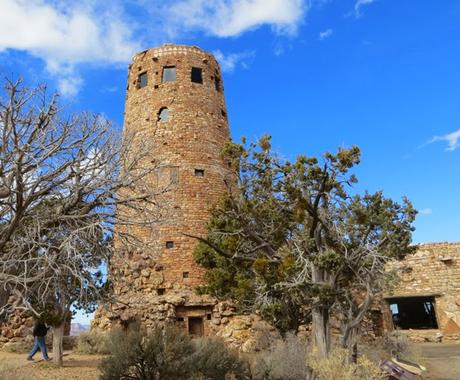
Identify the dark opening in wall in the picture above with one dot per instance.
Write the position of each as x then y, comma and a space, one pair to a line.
217, 84
169, 244
169, 74
163, 115
224, 114
199, 172
161, 291
180, 319
142, 80
413, 313
185, 274
197, 75
195, 326
208, 316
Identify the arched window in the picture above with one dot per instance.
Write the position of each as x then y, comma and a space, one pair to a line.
163, 115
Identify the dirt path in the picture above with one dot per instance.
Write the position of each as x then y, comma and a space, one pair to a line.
442, 360
76, 367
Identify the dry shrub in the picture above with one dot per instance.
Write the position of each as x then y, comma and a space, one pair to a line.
293, 359
168, 353
397, 344
93, 342
19, 347
212, 359
335, 367
285, 360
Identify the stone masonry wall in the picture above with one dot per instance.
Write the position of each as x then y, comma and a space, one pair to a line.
156, 285
434, 270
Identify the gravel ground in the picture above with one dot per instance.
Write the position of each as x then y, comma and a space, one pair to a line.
76, 367
442, 360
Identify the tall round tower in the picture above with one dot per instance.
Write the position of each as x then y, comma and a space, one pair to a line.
175, 99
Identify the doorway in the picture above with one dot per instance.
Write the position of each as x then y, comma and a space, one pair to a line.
413, 313
195, 326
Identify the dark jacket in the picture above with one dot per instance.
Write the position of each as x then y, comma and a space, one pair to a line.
40, 329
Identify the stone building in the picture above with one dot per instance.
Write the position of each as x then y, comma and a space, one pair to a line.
175, 97
425, 302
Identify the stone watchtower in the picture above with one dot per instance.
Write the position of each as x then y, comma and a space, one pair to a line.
175, 99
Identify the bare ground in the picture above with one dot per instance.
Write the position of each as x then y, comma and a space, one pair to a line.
76, 367
442, 360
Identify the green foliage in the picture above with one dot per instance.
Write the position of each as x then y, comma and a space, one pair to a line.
168, 353
294, 236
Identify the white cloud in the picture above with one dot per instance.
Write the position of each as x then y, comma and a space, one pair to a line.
66, 34
326, 34
425, 211
359, 4
452, 139
227, 18
69, 86
228, 62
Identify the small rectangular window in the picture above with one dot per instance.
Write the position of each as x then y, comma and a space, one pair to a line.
199, 172
208, 316
185, 274
169, 244
180, 319
197, 75
161, 291
224, 114
217, 84
142, 80
169, 74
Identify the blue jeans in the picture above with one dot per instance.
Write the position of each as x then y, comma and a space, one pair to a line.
39, 344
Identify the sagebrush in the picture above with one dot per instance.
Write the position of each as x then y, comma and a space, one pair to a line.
168, 353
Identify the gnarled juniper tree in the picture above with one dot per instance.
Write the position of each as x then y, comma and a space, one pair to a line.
295, 242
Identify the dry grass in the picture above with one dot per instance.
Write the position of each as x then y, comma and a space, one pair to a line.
76, 367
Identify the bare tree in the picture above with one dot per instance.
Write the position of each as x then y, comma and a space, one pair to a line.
69, 186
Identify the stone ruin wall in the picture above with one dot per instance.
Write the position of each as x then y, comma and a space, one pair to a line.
433, 270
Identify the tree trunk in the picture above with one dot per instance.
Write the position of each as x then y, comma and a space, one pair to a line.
320, 317
350, 342
58, 335
321, 330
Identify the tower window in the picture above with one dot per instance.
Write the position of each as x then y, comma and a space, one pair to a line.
197, 75
224, 114
161, 291
163, 115
208, 316
142, 80
180, 319
169, 74
199, 172
169, 244
185, 274
217, 83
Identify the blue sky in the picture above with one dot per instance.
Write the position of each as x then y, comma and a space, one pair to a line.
317, 74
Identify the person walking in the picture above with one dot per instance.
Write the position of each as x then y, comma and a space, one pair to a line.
39, 333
